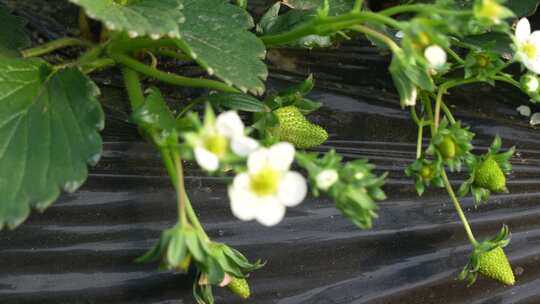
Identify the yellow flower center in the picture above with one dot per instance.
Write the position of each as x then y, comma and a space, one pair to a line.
216, 144
530, 50
265, 182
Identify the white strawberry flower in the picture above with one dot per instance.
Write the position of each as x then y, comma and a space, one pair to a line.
528, 46
268, 187
435, 56
218, 137
326, 179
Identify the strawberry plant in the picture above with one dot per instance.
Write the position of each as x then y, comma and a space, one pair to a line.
51, 117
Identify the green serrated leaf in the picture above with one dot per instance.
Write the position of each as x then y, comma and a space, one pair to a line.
49, 123
12, 35
153, 18
216, 35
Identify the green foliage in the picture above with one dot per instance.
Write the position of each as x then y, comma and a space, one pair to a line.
337, 7
153, 18
49, 125
273, 23
222, 45
452, 144
12, 35
426, 173
356, 190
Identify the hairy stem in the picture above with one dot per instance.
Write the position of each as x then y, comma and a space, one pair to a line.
53, 46
180, 187
133, 88
377, 35
419, 140
459, 211
327, 25
171, 78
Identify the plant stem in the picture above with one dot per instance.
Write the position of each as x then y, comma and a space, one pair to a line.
97, 65
457, 206
448, 113
455, 56
180, 187
442, 90
508, 80
419, 140
357, 7
133, 88
327, 25
53, 46
429, 110
173, 54
377, 35
171, 78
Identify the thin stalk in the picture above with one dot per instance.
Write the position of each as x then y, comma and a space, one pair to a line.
357, 7
508, 80
52, 46
455, 56
419, 140
133, 88
171, 78
429, 111
377, 35
459, 211
97, 65
442, 90
326, 25
180, 187
448, 113
173, 54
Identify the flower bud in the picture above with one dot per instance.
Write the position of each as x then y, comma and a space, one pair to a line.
326, 179
529, 83
435, 55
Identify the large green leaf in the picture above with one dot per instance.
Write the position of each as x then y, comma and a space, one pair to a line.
49, 123
216, 34
523, 7
154, 18
12, 35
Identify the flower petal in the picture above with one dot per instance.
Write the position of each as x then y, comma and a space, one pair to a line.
243, 145
435, 55
292, 189
243, 203
270, 212
535, 39
523, 30
258, 160
206, 159
229, 124
281, 156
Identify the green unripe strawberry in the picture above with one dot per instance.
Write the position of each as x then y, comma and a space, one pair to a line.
490, 176
447, 148
427, 172
296, 129
494, 265
239, 287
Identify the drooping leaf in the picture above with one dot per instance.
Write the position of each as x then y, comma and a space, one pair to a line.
497, 42
12, 35
216, 34
155, 18
273, 23
337, 7
235, 101
522, 7
49, 123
